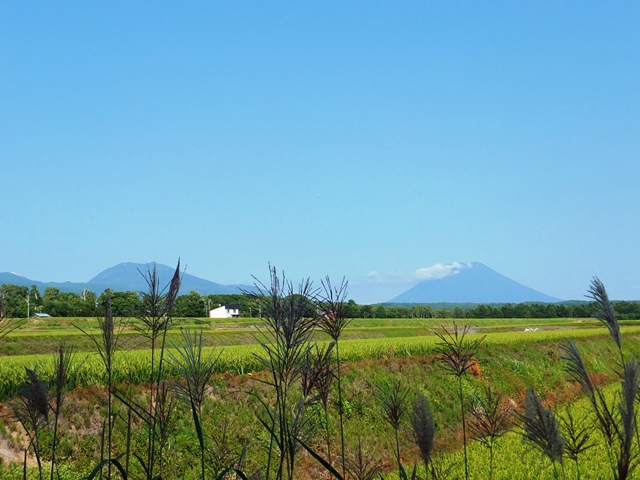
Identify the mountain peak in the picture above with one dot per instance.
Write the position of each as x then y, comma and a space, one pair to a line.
128, 276
471, 283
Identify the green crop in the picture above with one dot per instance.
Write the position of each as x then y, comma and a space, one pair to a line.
134, 366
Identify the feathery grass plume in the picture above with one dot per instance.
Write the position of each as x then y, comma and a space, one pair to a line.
628, 458
156, 317
578, 436
361, 465
577, 370
393, 402
490, 420
31, 408
455, 352
318, 373
605, 313
317, 378
575, 367
423, 428
541, 429
333, 320
63, 374
289, 317
456, 355
618, 426
195, 370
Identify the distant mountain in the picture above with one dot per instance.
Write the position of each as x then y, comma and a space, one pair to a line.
474, 283
22, 281
127, 277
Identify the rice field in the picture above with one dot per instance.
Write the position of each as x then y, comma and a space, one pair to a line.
373, 351
134, 366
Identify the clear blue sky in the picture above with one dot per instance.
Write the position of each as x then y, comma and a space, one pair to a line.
360, 139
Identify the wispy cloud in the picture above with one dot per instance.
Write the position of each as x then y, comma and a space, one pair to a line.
375, 286
434, 272
440, 270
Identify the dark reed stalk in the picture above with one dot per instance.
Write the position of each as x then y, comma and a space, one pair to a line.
127, 457
196, 370
289, 318
333, 320
63, 374
628, 458
617, 424
317, 379
165, 421
490, 421
423, 428
156, 316
541, 429
223, 457
31, 408
106, 346
577, 434
361, 466
393, 402
455, 355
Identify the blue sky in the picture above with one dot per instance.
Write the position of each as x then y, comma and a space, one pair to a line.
369, 140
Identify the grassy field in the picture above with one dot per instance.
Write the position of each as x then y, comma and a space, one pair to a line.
375, 352
44, 336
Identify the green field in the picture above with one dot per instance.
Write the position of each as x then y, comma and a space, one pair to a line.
374, 352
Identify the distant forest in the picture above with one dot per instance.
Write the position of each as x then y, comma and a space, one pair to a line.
21, 302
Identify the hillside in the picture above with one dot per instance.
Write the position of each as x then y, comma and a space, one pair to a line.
476, 283
127, 277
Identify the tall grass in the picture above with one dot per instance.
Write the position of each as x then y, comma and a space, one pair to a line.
289, 320
63, 372
617, 422
393, 400
456, 355
194, 372
156, 315
106, 345
333, 320
490, 420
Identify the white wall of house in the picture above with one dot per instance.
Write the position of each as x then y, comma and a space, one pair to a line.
224, 312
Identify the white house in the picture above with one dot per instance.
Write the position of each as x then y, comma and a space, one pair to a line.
225, 311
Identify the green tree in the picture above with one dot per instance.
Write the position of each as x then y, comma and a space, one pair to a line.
423, 311
123, 304
14, 300
379, 312
521, 310
352, 309
191, 305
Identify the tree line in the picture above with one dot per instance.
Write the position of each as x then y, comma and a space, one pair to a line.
22, 302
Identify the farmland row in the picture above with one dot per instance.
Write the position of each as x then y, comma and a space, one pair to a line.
134, 366
43, 338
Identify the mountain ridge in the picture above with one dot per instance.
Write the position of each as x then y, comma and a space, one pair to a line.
472, 283
128, 276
